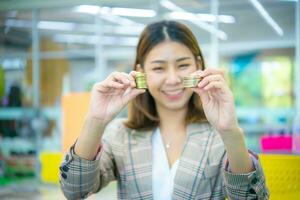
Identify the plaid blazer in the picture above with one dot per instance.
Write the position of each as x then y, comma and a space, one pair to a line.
126, 156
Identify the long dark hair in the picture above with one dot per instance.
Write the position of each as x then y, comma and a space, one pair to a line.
142, 114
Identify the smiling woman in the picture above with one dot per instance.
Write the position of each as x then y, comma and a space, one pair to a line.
177, 142
166, 47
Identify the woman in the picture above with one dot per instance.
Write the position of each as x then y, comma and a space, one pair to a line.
177, 143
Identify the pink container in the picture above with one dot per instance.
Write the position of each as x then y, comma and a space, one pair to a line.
296, 143
276, 143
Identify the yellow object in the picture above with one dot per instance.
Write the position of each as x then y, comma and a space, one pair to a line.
74, 108
50, 162
282, 175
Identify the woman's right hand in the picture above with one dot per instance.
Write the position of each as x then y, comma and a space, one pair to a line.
111, 95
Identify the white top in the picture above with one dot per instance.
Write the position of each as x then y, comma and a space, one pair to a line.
162, 175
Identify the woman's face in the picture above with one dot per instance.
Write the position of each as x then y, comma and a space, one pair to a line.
166, 65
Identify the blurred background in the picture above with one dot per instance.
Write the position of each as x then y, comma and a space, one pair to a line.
52, 52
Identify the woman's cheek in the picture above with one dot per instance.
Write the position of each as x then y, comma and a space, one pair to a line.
154, 80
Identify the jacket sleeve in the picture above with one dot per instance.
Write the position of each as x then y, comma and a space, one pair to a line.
80, 178
246, 186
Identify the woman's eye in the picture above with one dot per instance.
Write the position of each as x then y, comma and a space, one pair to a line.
157, 68
184, 65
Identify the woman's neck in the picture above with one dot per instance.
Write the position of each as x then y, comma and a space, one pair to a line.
172, 120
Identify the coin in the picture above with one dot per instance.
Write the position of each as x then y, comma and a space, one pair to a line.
141, 80
191, 81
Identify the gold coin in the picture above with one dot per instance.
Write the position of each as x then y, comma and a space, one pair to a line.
141, 80
191, 81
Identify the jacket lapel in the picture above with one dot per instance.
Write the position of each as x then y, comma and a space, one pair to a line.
140, 150
192, 161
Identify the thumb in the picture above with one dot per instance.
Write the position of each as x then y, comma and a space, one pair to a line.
204, 95
132, 93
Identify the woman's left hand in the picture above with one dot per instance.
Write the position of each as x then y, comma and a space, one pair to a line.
217, 100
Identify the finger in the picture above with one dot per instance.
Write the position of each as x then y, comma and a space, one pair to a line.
114, 84
107, 85
206, 80
136, 92
132, 75
112, 75
132, 93
98, 84
214, 85
211, 71
204, 95
130, 78
121, 77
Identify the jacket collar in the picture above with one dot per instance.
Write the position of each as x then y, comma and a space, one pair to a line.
195, 150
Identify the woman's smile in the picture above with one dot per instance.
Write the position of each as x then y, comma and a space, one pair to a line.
174, 94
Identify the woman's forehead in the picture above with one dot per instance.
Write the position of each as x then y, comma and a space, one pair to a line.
169, 51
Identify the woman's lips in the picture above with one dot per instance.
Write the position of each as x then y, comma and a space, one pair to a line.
173, 94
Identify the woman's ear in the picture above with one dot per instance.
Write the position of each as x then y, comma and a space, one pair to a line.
199, 63
139, 68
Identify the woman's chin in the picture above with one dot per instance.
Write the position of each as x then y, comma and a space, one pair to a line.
175, 105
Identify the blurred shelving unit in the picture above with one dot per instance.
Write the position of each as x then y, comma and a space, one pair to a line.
53, 113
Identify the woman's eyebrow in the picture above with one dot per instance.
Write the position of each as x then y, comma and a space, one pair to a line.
177, 60
183, 58
158, 61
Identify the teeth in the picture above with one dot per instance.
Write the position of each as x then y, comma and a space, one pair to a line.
173, 92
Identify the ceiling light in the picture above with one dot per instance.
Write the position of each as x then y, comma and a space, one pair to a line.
262, 11
205, 26
89, 9
133, 12
130, 12
201, 17
92, 39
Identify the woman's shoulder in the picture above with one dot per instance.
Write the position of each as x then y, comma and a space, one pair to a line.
117, 123
116, 130
206, 127
199, 127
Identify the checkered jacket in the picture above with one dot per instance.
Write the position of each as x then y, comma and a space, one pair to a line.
126, 156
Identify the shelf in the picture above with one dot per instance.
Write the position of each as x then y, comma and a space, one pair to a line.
52, 113
257, 112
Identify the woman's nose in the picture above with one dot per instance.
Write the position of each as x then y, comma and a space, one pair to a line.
173, 78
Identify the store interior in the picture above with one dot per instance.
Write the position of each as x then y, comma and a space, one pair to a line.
52, 52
